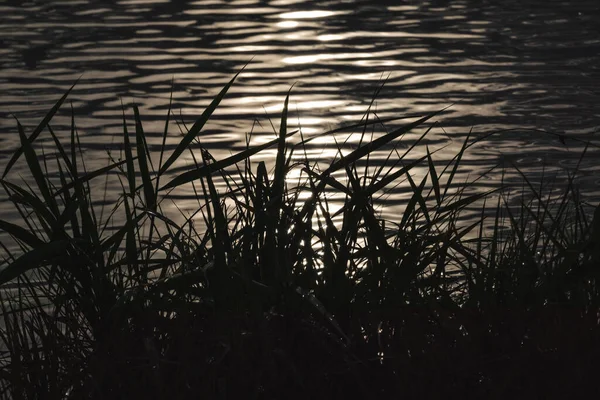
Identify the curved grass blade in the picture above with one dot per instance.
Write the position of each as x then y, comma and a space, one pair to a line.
89, 176
32, 259
386, 180
31, 200
38, 130
415, 198
117, 237
36, 170
279, 178
331, 181
418, 193
205, 170
376, 144
128, 155
466, 201
68, 214
130, 246
197, 127
60, 148
21, 233
143, 161
68, 199
222, 243
456, 164
434, 178
354, 126
165, 132
74, 140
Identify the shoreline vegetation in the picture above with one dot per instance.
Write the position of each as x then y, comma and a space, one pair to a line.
279, 296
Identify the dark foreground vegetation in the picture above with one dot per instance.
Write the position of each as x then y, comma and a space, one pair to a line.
279, 296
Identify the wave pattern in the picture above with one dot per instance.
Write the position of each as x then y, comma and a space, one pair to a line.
526, 64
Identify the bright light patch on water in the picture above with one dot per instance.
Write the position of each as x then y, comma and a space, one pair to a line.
246, 49
376, 63
305, 105
330, 38
306, 14
287, 24
311, 58
136, 2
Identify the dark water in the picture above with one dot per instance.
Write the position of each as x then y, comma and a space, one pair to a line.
503, 64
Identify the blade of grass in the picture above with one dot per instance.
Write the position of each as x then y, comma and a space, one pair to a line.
377, 143
37, 130
128, 155
89, 176
21, 233
143, 161
386, 180
456, 164
205, 170
197, 127
32, 259
434, 178
279, 178
36, 171
31, 200
164, 139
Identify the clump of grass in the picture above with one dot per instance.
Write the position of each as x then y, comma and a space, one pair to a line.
278, 295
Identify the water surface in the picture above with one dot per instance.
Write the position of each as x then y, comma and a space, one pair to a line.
501, 64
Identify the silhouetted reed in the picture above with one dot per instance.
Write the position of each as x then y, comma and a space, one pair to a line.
277, 295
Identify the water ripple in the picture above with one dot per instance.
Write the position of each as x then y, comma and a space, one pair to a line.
531, 64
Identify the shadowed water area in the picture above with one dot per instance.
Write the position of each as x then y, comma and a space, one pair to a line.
509, 64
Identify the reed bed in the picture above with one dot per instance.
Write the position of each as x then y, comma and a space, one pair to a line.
277, 295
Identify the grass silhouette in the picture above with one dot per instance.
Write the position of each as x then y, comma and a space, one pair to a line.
280, 296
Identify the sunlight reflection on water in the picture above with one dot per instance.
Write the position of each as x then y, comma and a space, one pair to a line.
501, 65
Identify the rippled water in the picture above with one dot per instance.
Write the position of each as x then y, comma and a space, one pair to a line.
502, 64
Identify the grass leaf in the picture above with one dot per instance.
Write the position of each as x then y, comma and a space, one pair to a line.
197, 127
37, 130
32, 259
206, 170
143, 161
